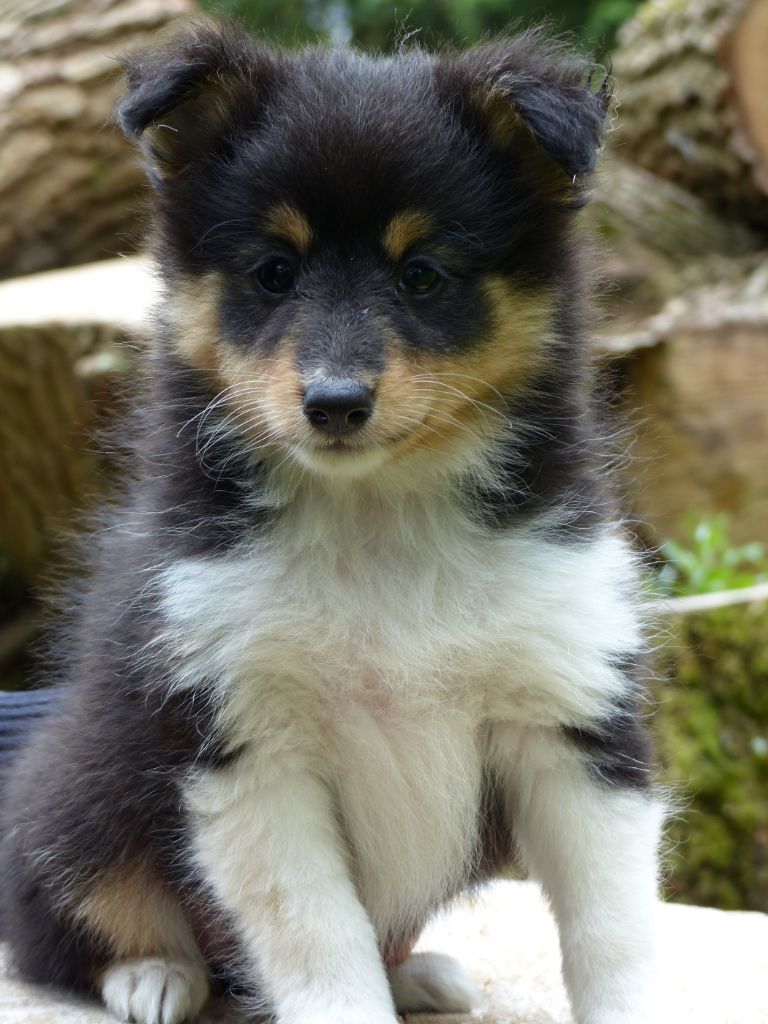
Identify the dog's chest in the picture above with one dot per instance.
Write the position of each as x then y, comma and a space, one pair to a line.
408, 789
355, 647
345, 611
379, 650
340, 608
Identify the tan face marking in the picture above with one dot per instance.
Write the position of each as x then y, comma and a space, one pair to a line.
455, 395
403, 231
286, 222
428, 400
517, 342
260, 394
193, 312
137, 915
280, 398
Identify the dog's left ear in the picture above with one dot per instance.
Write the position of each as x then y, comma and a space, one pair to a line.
529, 85
186, 101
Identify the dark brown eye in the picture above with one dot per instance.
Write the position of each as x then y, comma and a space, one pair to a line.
275, 275
419, 278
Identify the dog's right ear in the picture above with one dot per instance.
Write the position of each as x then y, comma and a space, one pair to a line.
185, 102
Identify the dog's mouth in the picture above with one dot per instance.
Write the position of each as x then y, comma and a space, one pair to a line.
359, 446
357, 455
341, 447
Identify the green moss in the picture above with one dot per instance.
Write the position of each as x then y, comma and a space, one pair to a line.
712, 731
710, 561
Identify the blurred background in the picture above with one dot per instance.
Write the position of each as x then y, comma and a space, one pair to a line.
681, 209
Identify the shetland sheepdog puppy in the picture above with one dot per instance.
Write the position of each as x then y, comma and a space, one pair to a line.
362, 628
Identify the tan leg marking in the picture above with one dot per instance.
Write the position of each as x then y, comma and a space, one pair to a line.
156, 971
137, 915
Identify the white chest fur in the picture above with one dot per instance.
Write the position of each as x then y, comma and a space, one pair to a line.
379, 642
406, 606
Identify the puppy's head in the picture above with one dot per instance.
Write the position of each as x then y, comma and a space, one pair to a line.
365, 257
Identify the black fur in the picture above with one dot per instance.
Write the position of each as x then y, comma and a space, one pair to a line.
549, 87
620, 752
229, 128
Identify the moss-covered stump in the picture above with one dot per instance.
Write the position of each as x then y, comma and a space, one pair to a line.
712, 729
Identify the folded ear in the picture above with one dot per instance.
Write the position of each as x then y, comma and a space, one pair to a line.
185, 101
531, 85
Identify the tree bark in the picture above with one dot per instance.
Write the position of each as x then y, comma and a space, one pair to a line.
659, 240
692, 78
694, 381
69, 182
62, 373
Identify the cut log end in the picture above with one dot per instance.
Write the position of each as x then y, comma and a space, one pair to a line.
748, 62
692, 78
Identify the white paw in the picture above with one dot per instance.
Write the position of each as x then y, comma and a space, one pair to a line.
155, 991
433, 981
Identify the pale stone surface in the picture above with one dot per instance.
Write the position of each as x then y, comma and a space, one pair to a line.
67, 338
114, 293
714, 967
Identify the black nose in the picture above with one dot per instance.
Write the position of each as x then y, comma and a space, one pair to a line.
338, 405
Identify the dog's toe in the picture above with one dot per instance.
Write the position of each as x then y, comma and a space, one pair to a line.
155, 990
433, 981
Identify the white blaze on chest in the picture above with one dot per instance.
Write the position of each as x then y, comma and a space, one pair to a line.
408, 790
335, 598
376, 647
399, 610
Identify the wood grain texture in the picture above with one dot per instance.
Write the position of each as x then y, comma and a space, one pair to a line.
691, 77
70, 184
696, 389
65, 349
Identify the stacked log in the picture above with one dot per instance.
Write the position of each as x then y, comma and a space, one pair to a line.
65, 340
661, 240
684, 209
693, 81
695, 387
69, 183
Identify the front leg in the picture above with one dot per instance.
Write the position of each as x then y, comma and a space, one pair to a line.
587, 825
267, 842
